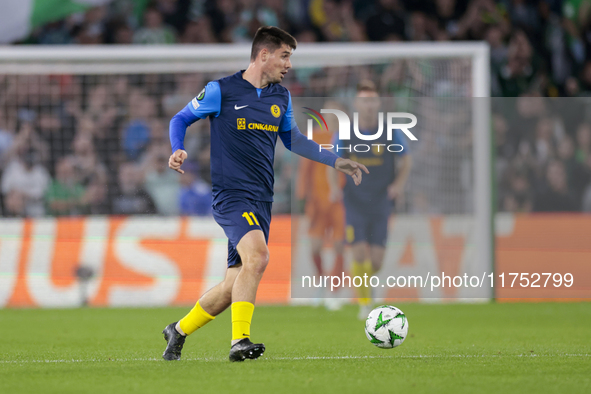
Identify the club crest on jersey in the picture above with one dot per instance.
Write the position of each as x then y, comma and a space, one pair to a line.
275, 110
201, 95
241, 123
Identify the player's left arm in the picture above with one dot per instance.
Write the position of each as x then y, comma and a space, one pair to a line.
296, 142
397, 187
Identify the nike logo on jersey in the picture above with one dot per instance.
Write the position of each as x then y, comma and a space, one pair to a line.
237, 107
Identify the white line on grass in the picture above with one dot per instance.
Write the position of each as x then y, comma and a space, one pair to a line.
96, 360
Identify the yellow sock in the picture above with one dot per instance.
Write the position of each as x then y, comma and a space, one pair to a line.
195, 319
241, 317
366, 290
368, 268
358, 269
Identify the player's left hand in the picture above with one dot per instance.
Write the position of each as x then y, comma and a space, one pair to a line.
351, 168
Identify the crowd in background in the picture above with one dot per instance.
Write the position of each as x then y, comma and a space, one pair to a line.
543, 154
99, 144
73, 145
541, 46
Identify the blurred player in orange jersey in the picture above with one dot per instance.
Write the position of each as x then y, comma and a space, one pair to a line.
326, 217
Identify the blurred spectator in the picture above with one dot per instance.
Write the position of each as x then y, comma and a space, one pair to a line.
154, 31
90, 172
136, 133
57, 137
386, 23
519, 198
586, 195
478, 16
576, 15
586, 79
161, 183
556, 197
566, 154
543, 142
56, 33
419, 28
24, 182
498, 49
517, 75
583, 151
224, 16
65, 195
198, 31
101, 110
92, 29
27, 139
132, 198
523, 14
173, 12
86, 162
7, 135
335, 20
187, 87
123, 35
195, 194
448, 14
248, 17
505, 141
572, 109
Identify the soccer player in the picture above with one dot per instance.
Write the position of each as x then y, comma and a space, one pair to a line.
247, 111
367, 208
326, 218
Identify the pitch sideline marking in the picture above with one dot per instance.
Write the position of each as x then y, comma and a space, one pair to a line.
291, 358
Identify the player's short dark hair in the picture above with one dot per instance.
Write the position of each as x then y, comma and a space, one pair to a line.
272, 38
366, 85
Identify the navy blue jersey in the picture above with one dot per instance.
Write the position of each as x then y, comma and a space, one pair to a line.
245, 122
372, 194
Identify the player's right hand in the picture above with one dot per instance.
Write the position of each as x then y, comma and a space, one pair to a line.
351, 168
176, 160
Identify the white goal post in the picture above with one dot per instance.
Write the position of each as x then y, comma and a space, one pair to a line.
73, 59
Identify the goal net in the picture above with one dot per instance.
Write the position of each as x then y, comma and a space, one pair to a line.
97, 118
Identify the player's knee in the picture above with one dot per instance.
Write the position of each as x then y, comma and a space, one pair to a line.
258, 260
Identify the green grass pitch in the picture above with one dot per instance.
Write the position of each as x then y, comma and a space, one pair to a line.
451, 348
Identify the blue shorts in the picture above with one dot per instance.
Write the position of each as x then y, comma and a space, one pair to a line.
238, 217
366, 227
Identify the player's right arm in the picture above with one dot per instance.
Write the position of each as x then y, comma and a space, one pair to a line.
207, 103
295, 141
335, 193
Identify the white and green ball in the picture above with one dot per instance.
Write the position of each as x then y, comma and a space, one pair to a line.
386, 327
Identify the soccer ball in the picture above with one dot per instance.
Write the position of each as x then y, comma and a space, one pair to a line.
386, 327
